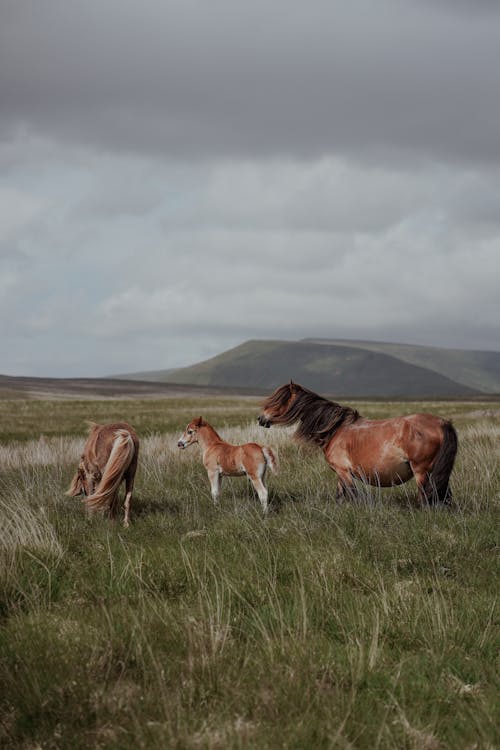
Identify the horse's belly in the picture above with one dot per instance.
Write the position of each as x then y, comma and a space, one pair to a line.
229, 471
230, 467
387, 476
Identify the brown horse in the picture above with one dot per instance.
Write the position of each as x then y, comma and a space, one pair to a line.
222, 459
109, 457
379, 452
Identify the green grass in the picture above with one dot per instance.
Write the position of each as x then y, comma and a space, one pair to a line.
24, 419
357, 626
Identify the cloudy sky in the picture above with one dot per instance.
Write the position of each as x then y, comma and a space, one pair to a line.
177, 176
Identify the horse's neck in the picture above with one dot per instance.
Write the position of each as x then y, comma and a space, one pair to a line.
207, 436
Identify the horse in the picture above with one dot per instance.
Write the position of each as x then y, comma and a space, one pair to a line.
379, 452
109, 457
222, 459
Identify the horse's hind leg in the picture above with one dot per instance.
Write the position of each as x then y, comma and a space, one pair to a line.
129, 486
426, 494
126, 506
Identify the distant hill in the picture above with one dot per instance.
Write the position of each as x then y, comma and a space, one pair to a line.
148, 376
340, 368
476, 369
337, 368
12, 387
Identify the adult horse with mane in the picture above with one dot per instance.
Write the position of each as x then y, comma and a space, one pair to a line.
109, 458
221, 459
379, 452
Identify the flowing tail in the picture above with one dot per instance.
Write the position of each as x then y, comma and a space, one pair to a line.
271, 459
105, 495
437, 486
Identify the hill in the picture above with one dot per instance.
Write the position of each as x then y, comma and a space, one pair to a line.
476, 369
342, 370
12, 387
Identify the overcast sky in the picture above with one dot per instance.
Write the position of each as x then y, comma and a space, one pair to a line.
178, 177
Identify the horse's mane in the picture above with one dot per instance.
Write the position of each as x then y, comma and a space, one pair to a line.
319, 419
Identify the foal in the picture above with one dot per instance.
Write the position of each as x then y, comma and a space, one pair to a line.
224, 460
109, 457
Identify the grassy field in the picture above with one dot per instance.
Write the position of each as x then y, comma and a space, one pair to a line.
367, 625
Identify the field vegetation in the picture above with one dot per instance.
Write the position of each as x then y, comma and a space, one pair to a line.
364, 625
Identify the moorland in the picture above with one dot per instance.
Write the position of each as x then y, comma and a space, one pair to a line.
370, 624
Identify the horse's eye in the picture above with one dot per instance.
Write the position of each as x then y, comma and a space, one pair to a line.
190, 432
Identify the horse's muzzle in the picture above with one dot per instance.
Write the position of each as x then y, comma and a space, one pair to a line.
180, 444
263, 421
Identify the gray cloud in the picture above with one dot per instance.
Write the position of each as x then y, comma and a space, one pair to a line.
204, 80
176, 177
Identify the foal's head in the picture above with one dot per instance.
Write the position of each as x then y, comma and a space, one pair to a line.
190, 434
276, 406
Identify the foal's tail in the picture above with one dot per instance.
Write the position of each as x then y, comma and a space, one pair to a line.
119, 460
271, 458
437, 486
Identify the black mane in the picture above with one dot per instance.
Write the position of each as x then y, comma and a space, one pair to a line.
319, 419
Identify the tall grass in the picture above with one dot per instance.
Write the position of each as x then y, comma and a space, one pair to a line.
366, 625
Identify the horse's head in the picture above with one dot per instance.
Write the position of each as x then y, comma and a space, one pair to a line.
190, 434
276, 406
80, 484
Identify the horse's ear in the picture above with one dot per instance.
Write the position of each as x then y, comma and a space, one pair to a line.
199, 422
292, 385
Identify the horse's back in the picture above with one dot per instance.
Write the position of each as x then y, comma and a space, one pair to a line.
235, 460
102, 437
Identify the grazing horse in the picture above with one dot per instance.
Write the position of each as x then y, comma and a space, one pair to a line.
379, 452
222, 459
109, 457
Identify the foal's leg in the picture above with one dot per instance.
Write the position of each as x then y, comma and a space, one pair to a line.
261, 491
257, 480
215, 478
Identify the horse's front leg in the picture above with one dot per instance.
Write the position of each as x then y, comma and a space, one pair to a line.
340, 493
215, 479
346, 489
346, 492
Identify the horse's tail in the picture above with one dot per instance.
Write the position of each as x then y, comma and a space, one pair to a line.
437, 486
271, 458
122, 453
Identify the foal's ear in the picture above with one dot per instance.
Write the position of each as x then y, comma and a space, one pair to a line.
199, 422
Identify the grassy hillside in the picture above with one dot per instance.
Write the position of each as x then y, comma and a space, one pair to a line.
339, 370
475, 369
90, 388
366, 625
